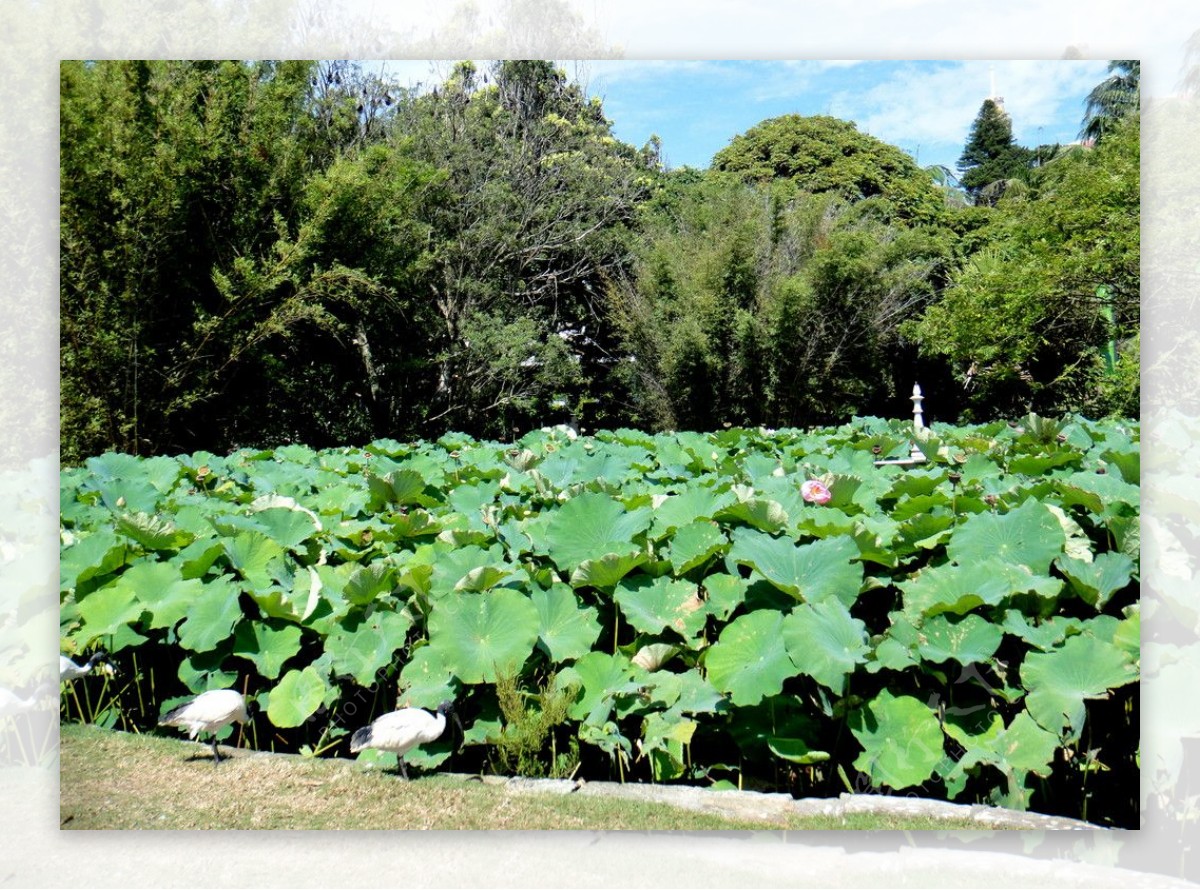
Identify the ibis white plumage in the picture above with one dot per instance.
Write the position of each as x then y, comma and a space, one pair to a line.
208, 712
69, 670
402, 730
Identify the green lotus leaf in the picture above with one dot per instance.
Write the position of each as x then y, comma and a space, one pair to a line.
1128, 634
255, 556
163, 591
760, 513
296, 697
413, 524
961, 588
91, 556
697, 695
597, 675
1044, 635
723, 593
653, 604
210, 619
197, 558
482, 578
825, 642
810, 572
107, 610
364, 648
367, 582
796, 751
694, 544
593, 525
267, 644
1028, 535
1021, 749
450, 568
200, 671
1059, 681
1037, 464
482, 633
398, 488
289, 528
901, 739
750, 661
566, 630
153, 532
427, 680
1098, 580
1103, 495
967, 640
694, 503
606, 570
925, 531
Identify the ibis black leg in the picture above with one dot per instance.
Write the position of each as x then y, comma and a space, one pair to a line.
403, 770
216, 755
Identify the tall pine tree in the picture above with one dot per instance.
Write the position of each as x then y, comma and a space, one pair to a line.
991, 155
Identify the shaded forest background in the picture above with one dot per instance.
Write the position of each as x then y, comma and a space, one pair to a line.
261, 253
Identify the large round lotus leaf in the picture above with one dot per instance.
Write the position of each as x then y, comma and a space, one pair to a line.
825, 642
107, 610
673, 512
1059, 681
479, 634
597, 676
795, 750
426, 681
370, 645
90, 556
296, 697
161, 590
470, 566
694, 544
967, 640
566, 630
255, 557
606, 570
809, 572
961, 588
1029, 536
210, 619
366, 582
1098, 580
287, 527
901, 739
1022, 748
153, 532
590, 526
697, 695
761, 513
653, 604
724, 593
268, 645
749, 661
1045, 635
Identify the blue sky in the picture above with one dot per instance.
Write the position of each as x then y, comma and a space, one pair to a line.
924, 107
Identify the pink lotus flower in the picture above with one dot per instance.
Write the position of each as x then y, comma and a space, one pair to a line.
815, 492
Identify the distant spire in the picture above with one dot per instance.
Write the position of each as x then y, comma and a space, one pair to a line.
999, 100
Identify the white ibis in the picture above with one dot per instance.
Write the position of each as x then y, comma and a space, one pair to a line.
208, 712
69, 670
401, 731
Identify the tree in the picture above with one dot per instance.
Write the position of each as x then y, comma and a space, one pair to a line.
1027, 318
991, 155
1116, 97
528, 221
822, 154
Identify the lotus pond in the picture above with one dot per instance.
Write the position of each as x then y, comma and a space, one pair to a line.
653, 608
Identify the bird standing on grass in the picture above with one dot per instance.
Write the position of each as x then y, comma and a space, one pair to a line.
69, 670
401, 731
208, 712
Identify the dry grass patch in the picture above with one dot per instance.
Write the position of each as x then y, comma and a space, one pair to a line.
113, 780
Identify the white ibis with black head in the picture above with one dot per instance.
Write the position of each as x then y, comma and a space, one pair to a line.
69, 670
402, 730
208, 712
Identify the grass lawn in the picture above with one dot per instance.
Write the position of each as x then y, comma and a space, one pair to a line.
113, 780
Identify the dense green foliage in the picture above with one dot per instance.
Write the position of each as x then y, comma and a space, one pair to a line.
1028, 316
1115, 98
991, 155
271, 252
666, 608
